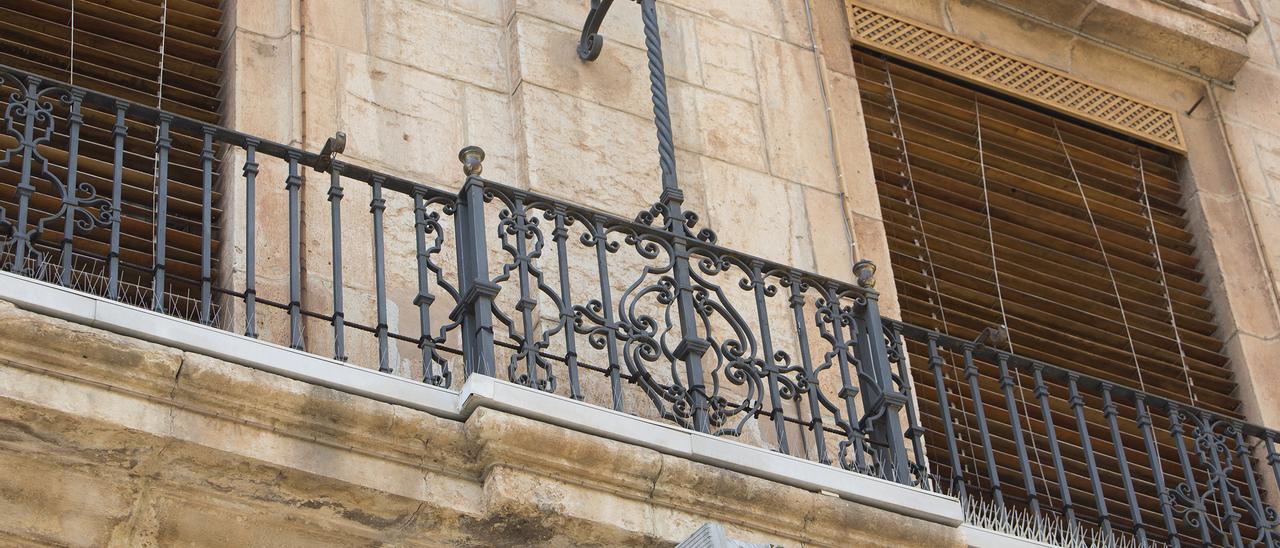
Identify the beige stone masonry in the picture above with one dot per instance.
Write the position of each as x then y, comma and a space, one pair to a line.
128, 443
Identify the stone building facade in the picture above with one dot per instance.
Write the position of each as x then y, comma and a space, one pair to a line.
121, 429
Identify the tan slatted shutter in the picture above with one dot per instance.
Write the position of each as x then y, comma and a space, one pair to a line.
157, 53
1000, 213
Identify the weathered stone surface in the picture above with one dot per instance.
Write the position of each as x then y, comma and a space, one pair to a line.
438, 41
339, 22
209, 444
799, 146
751, 199
727, 62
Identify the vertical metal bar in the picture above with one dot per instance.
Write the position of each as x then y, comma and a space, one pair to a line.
163, 144
250, 237
1011, 405
1219, 474
377, 206
948, 428
796, 301
1046, 413
526, 303
118, 132
1157, 470
1077, 404
1135, 511
1256, 503
1197, 505
975, 393
915, 432
25, 189
206, 225
561, 235
424, 299
884, 402
293, 184
848, 387
776, 412
601, 237
475, 307
75, 119
335, 231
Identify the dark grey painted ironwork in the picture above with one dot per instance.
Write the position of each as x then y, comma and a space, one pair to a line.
675, 326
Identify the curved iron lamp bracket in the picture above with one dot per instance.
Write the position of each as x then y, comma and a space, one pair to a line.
591, 42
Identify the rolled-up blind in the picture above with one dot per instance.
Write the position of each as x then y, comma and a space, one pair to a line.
1001, 213
157, 53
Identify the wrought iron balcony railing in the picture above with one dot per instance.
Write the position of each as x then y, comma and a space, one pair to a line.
658, 321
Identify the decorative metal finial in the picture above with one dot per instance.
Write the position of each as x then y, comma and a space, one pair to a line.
333, 146
472, 159
865, 270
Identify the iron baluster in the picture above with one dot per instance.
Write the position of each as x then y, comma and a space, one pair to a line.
1077, 404
1189, 490
118, 132
474, 309
776, 413
882, 403
1157, 471
24, 190
1015, 422
915, 432
1046, 413
377, 205
975, 393
206, 225
839, 319
293, 183
250, 237
75, 119
163, 144
560, 234
1135, 511
424, 223
811, 385
335, 195
948, 429
1218, 470
521, 227
1263, 515
599, 238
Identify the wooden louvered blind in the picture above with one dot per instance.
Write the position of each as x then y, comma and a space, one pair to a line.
1000, 213
157, 53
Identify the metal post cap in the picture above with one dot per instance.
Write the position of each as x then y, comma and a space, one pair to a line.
472, 158
865, 270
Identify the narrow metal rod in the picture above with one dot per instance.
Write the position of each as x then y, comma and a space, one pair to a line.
948, 428
423, 300
250, 237
335, 230
915, 432
848, 387
975, 393
25, 189
206, 226
1256, 503
75, 119
1015, 421
1157, 470
561, 235
294, 184
1046, 413
377, 206
658, 88
776, 411
601, 236
163, 144
1192, 486
526, 304
1077, 404
118, 132
1131, 496
797, 302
